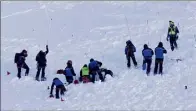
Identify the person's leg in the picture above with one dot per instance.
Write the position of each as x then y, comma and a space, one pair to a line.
134, 60
19, 73
57, 92
161, 67
156, 67
43, 74
93, 76
128, 61
144, 65
100, 76
175, 43
148, 66
38, 72
25, 66
172, 43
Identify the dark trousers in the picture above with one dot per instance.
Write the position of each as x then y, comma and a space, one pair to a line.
60, 88
158, 64
148, 62
93, 74
69, 79
39, 70
129, 60
25, 66
173, 42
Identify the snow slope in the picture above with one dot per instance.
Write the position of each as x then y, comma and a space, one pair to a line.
83, 30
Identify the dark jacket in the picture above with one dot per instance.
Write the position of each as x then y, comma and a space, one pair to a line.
41, 58
56, 82
159, 51
20, 58
147, 52
129, 50
106, 71
69, 70
94, 65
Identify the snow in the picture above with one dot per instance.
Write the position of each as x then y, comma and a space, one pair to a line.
79, 31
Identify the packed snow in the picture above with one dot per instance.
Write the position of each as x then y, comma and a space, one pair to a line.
79, 31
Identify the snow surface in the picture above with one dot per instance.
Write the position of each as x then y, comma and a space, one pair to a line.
78, 31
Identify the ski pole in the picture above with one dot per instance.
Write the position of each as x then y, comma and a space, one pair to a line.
127, 26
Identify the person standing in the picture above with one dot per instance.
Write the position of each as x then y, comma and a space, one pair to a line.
20, 62
41, 64
129, 52
172, 35
147, 54
159, 57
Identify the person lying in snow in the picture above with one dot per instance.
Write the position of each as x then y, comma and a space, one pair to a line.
105, 72
59, 87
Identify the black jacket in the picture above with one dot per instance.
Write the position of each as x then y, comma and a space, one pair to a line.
20, 58
41, 58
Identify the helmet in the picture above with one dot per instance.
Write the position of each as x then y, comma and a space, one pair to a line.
171, 23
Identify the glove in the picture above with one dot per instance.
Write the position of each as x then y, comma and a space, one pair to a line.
46, 46
51, 95
167, 39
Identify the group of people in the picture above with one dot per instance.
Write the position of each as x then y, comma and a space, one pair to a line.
147, 52
41, 63
88, 73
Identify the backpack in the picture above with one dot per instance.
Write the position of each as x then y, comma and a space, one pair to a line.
16, 59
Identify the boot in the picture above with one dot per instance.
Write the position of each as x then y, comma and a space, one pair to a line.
43, 79
37, 78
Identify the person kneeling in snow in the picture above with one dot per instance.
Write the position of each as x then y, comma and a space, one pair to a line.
59, 87
69, 72
84, 74
94, 68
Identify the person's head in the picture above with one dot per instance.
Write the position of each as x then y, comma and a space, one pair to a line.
24, 52
160, 44
145, 46
129, 42
171, 23
41, 52
85, 65
91, 60
69, 63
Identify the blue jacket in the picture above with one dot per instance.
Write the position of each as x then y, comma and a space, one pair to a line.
93, 65
69, 71
147, 53
129, 50
159, 51
56, 82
